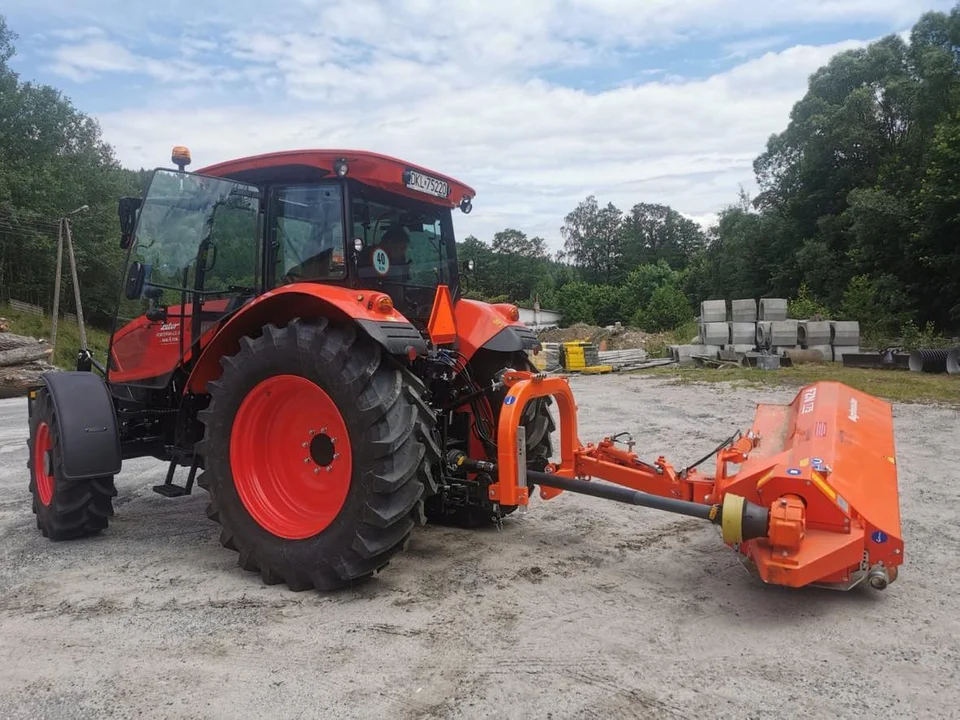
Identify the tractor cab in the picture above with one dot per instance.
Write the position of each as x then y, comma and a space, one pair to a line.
201, 245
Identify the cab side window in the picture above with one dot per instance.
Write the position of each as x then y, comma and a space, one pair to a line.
308, 233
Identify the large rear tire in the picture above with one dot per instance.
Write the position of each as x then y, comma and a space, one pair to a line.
65, 509
317, 453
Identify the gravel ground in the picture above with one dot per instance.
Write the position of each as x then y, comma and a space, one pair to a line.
583, 608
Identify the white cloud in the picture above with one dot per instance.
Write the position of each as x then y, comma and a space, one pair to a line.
465, 92
532, 150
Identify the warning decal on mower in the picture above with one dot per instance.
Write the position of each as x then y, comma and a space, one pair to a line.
879, 537
510, 400
793, 471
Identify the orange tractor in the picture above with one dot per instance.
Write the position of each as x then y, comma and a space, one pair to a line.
292, 326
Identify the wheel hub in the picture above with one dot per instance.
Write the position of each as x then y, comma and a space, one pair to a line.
290, 457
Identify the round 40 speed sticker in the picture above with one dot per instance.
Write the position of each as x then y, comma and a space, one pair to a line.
381, 261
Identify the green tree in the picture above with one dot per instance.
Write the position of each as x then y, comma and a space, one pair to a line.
654, 233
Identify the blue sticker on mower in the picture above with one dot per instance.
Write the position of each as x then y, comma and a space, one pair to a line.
793, 471
879, 537
816, 461
510, 400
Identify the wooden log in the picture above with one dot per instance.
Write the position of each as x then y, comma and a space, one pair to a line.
15, 382
9, 341
22, 355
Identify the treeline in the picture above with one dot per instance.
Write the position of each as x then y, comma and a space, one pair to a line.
53, 160
858, 213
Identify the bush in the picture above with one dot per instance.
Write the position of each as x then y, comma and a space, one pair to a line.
880, 306
574, 302
668, 308
913, 338
606, 302
804, 307
640, 285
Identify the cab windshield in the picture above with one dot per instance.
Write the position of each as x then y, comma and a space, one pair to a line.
403, 248
194, 259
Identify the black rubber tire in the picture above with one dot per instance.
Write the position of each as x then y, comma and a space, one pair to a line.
78, 508
393, 447
538, 423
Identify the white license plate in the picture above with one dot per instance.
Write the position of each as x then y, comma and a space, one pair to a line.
426, 184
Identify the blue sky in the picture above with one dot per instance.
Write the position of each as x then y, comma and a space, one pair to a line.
536, 103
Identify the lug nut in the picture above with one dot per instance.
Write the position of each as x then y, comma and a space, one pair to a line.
336, 456
306, 459
303, 445
316, 471
329, 468
313, 432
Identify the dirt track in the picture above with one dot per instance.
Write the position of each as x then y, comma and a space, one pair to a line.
583, 608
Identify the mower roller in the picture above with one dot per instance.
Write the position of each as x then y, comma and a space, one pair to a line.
292, 330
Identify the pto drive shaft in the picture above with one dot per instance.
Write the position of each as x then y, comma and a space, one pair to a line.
739, 518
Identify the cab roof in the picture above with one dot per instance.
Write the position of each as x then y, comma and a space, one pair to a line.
382, 171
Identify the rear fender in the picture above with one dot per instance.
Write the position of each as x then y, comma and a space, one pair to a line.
390, 329
87, 424
482, 325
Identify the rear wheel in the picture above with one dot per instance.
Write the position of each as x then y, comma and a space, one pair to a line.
65, 509
317, 454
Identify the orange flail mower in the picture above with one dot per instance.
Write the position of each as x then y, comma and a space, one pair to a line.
814, 499
292, 328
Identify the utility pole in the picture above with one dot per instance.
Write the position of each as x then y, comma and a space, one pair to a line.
64, 231
56, 288
76, 280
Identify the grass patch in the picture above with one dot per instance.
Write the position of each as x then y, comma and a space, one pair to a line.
895, 385
68, 336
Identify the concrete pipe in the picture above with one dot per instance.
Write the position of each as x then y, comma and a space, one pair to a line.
840, 350
743, 311
743, 333
844, 332
801, 357
783, 332
953, 361
929, 361
713, 311
825, 350
813, 332
773, 309
716, 333
763, 334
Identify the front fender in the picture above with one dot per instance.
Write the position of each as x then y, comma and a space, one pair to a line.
482, 325
87, 421
391, 329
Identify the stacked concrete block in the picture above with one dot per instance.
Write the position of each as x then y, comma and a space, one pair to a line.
713, 311
743, 311
773, 309
845, 338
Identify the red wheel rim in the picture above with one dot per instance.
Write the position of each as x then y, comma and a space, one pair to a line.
290, 457
42, 472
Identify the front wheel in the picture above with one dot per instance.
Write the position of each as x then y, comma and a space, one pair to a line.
65, 509
317, 453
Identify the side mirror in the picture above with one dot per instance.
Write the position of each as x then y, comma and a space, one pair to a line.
127, 211
136, 275
469, 266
